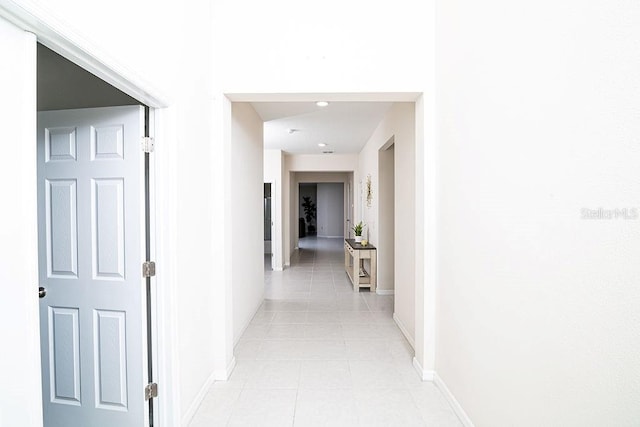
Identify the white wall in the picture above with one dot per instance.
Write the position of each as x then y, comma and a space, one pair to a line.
330, 49
538, 309
330, 210
273, 171
386, 217
399, 124
247, 224
321, 162
198, 304
20, 402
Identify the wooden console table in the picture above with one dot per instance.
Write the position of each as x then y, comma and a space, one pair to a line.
354, 253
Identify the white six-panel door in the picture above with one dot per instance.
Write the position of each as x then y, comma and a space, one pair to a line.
90, 236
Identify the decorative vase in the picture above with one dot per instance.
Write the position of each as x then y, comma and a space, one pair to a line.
358, 239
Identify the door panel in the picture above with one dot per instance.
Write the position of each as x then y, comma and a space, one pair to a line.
62, 236
107, 200
64, 355
110, 368
91, 243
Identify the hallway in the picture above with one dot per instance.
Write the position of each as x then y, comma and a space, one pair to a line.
318, 354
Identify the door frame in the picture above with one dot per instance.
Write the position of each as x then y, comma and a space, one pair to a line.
162, 119
426, 198
351, 205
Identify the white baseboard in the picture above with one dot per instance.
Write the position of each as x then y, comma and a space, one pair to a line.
193, 408
244, 328
224, 374
404, 331
425, 375
384, 291
455, 405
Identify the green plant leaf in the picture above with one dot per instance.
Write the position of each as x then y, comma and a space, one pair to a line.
357, 229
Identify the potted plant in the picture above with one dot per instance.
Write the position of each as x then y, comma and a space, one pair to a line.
310, 214
357, 230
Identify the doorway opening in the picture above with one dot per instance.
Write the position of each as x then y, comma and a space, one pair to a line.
313, 298
94, 197
308, 209
268, 226
321, 209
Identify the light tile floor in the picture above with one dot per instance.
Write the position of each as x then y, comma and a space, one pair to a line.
318, 354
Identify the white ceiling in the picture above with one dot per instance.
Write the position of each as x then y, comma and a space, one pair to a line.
344, 126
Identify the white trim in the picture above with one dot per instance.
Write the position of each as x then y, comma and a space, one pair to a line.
385, 292
58, 37
197, 401
426, 248
165, 225
19, 298
404, 331
244, 328
220, 375
148, 357
455, 405
423, 374
313, 96
225, 374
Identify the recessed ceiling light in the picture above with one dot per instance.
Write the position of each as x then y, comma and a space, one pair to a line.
290, 131
322, 103
322, 144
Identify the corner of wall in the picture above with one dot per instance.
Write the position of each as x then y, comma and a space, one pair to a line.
197, 401
453, 402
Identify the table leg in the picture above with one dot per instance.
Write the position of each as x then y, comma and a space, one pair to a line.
374, 271
356, 271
